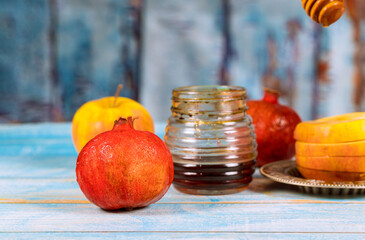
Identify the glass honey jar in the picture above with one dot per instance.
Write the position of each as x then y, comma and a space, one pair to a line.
211, 139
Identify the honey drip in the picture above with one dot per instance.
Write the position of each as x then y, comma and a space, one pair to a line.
324, 12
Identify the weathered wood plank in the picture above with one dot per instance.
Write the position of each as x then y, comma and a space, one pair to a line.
37, 166
38, 162
178, 235
342, 88
44, 139
24, 61
275, 48
35, 131
56, 55
50, 147
328, 218
261, 190
50, 130
96, 51
183, 45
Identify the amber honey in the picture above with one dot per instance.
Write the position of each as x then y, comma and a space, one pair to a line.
212, 178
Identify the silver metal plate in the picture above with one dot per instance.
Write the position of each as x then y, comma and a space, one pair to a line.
287, 173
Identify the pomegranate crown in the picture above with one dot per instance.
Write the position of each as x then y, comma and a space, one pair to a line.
124, 123
271, 95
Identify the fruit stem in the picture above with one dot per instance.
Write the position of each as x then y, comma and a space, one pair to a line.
271, 95
120, 87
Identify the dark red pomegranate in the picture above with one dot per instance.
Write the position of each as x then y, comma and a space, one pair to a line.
274, 128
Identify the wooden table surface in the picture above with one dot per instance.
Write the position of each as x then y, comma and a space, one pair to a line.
40, 199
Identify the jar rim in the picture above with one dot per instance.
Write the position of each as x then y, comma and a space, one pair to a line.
197, 89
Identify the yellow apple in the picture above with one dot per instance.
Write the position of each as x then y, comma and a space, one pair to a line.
98, 116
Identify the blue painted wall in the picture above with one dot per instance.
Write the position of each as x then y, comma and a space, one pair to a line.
57, 54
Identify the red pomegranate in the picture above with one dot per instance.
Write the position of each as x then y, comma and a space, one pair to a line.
124, 168
274, 128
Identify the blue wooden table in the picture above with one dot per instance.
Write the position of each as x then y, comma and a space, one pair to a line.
40, 199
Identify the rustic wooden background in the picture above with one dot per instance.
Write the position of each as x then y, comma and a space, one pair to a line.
57, 54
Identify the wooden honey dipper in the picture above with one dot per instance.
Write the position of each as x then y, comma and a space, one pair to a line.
324, 12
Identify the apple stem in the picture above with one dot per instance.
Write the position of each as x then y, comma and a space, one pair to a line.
120, 87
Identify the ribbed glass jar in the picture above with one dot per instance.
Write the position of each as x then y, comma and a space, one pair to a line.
211, 139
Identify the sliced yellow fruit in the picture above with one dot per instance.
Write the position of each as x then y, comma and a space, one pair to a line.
337, 129
351, 149
329, 176
337, 164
